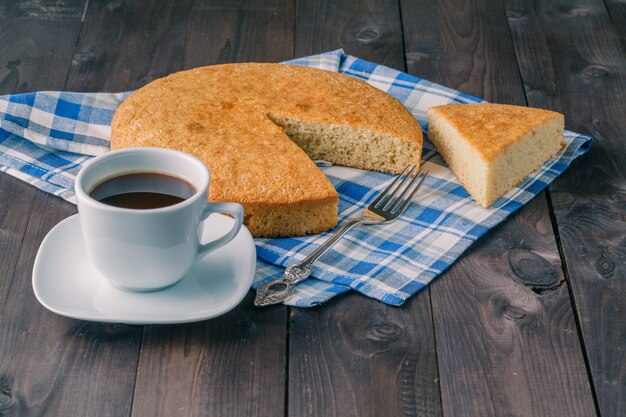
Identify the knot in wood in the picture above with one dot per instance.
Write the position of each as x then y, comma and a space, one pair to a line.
84, 57
385, 332
514, 313
13, 64
619, 197
367, 34
515, 14
6, 395
532, 269
114, 5
605, 266
594, 71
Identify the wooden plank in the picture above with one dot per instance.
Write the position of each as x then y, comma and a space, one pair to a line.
357, 356
463, 46
61, 366
126, 44
233, 365
223, 31
36, 43
584, 76
363, 28
617, 14
16, 201
25, 45
504, 346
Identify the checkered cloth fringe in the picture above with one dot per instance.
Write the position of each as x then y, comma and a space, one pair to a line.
46, 137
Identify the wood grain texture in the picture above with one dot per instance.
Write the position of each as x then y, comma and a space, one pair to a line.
25, 48
59, 366
233, 365
16, 199
584, 76
505, 346
464, 45
126, 44
236, 364
36, 44
507, 342
368, 29
239, 31
504, 324
129, 43
357, 356
617, 14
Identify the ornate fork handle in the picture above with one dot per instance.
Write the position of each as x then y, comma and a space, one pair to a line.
279, 290
385, 208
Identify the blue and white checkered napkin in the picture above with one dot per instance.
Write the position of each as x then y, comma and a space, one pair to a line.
45, 138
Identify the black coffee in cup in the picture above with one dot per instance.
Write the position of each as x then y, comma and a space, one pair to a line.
142, 191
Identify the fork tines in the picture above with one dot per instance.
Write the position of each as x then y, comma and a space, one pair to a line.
406, 184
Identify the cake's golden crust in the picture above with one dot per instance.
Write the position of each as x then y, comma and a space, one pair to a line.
492, 147
221, 115
490, 128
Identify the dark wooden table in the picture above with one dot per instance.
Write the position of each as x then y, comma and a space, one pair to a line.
485, 339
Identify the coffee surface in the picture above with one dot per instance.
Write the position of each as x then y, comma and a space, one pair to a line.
142, 191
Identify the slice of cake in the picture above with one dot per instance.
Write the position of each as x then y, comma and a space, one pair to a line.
492, 147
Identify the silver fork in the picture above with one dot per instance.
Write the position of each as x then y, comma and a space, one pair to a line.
386, 208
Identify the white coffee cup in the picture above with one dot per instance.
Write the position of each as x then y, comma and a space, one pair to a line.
148, 249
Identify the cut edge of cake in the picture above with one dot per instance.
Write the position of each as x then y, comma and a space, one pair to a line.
376, 151
487, 175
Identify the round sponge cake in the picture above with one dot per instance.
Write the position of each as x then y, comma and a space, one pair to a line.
257, 127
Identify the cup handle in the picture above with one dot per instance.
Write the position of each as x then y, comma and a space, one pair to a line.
236, 210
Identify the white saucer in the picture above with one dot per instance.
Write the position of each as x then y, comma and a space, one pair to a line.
66, 283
